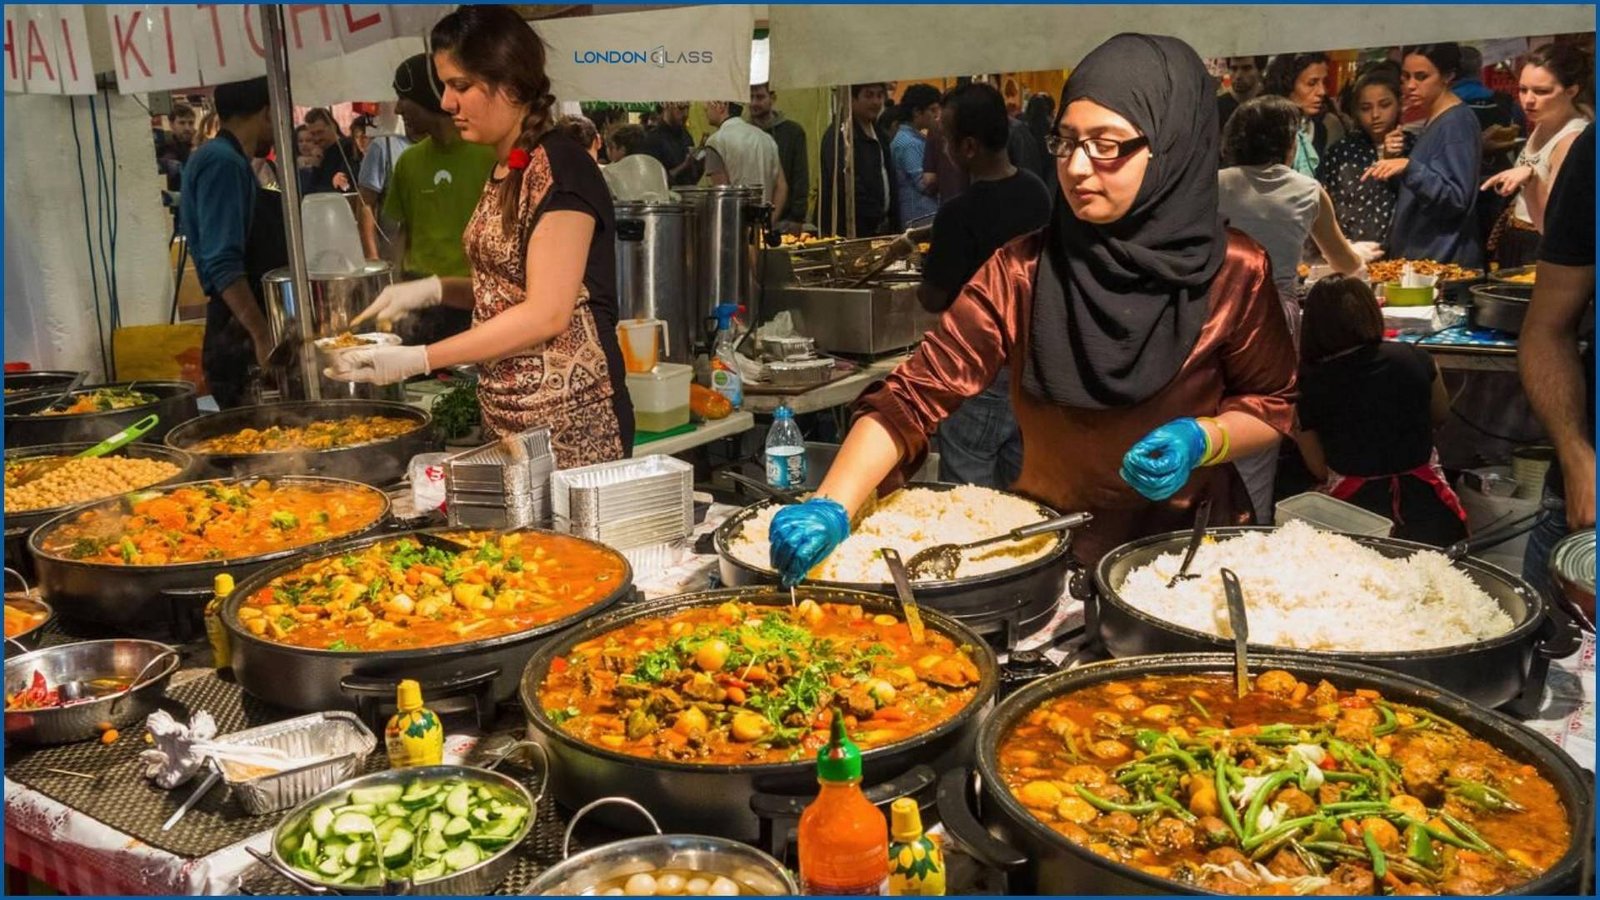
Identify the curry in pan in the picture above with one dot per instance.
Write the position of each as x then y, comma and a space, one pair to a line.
327, 434
401, 595
745, 683
214, 520
1290, 789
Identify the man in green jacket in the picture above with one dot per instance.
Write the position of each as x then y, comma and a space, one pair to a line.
791, 138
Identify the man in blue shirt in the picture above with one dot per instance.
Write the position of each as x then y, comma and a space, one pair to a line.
230, 236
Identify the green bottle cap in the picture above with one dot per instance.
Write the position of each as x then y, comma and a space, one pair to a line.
840, 758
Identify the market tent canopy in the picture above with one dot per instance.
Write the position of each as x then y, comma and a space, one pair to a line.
818, 45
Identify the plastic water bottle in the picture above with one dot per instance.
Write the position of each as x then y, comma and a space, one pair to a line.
786, 451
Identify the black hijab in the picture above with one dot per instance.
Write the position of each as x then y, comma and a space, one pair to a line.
1118, 308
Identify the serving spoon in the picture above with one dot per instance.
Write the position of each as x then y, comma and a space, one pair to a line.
940, 561
1202, 516
75, 689
1239, 624
30, 472
902, 587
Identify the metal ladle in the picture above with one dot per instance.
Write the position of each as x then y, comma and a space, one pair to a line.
74, 690
1239, 624
902, 587
940, 562
1202, 516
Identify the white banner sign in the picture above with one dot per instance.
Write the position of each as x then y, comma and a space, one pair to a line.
47, 50
689, 53
173, 46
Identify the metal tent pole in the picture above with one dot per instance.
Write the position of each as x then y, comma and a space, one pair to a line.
848, 118
283, 138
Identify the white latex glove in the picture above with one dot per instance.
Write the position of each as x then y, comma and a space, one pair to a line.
400, 300
379, 365
1367, 250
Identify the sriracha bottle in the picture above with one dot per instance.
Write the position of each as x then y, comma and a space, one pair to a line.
844, 839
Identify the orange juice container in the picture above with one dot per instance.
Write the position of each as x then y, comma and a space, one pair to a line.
844, 839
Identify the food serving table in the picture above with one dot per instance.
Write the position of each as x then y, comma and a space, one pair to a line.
103, 837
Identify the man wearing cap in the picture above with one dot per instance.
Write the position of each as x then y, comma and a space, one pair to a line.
431, 194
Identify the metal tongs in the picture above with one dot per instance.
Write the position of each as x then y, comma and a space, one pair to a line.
900, 248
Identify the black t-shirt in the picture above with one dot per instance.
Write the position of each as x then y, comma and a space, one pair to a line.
671, 146
1569, 241
980, 220
1371, 408
341, 157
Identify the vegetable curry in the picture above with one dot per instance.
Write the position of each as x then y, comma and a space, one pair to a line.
401, 595
1290, 789
744, 683
214, 520
328, 434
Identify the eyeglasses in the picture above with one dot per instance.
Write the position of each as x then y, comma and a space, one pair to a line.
1098, 149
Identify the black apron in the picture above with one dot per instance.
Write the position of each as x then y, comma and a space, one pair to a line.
227, 354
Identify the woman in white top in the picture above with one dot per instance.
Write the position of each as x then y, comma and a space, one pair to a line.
1261, 195
1552, 77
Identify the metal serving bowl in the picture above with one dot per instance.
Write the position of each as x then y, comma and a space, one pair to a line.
85, 661
754, 871
175, 403
29, 639
474, 881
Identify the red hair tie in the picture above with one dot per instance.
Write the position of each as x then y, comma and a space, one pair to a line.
518, 159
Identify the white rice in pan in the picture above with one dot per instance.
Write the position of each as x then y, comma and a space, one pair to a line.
1312, 590
914, 519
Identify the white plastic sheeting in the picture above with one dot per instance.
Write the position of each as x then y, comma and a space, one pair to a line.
817, 45
50, 274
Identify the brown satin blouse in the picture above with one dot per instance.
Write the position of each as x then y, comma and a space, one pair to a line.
1243, 360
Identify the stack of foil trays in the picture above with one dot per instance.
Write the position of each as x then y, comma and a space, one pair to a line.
641, 507
501, 485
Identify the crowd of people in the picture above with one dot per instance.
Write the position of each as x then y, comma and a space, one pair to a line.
1139, 298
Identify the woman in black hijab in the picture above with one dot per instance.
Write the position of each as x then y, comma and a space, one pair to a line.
1146, 342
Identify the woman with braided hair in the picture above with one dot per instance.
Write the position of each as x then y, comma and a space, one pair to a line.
541, 243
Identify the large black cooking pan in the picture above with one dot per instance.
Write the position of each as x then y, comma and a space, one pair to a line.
1491, 672
1043, 861
982, 602
164, 600
332, 679
379, 463
715, 799
21, 524
175, 403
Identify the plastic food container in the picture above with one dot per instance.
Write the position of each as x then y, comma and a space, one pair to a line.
1328, 514
661, 397
1395, 295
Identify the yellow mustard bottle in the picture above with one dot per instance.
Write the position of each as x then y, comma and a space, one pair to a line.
916, 864
216, 632
413, 736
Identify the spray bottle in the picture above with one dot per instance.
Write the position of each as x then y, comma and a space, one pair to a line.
725, 378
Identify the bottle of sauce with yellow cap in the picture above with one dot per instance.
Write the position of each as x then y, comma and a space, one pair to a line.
916, 865
414, 736
216, 632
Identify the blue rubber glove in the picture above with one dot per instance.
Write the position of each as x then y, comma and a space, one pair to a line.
1158, 466
804, 534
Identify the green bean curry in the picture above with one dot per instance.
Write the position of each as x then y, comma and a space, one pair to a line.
745, 683
1291, 789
